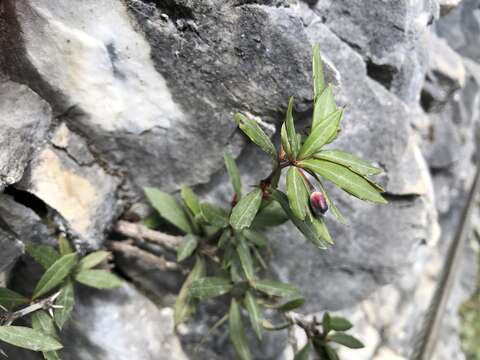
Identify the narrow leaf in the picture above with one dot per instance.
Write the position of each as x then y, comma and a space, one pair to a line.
191, 200
41, 321
354, 163
271, 215
187, 247
245, 259
346, 340
338, 323
93, 259
214, 215
64, 245
276, 288
285, 143
291, 133
292, 304
256, 134
66, 300
209, 287
234, 174
331, 205
255, 238
254, 313
43, 254
55, 274
318, 77
244, 212
321, 135
99, 279
237, 332
331, 353
324, 106
322, 231
10, 299
168, 208
304, 353
184, 304
345, 179
297, 193
326, 322
28, 338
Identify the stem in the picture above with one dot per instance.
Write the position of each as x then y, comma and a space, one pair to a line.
141, 232
46, 304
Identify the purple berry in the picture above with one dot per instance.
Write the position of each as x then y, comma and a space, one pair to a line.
318, 203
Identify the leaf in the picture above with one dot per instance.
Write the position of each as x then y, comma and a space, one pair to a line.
244, 212
271, 215
324, 106
191, 200
41, 321
354, 163
93, 259
55, 274
214, 215
245, 259
290, 128
66, 299
276, 288
331, 205
168, 208
234, 174
297, 193
322, 231
331, 353
64, 245
224, 238
254, 313
338, 323
28, 338
292, 304
184, 304
318, 77
285, 143
187, 247
326, 323
256, 134
10, 299
99, 279
304, 353
43, 254
255, 238
209, 287
321, 135
345, 179
346, 340
306, 227
237, 332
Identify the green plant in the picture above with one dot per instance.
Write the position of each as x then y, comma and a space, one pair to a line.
52, 301
228, 244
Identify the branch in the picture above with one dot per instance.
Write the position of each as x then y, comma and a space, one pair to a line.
141, 232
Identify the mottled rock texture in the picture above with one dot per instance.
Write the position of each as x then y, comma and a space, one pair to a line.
101, 97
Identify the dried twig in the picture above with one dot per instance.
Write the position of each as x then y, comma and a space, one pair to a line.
141, 232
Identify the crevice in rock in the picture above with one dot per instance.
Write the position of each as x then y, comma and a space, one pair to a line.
29, 200
391, 197
382, 73
174, 9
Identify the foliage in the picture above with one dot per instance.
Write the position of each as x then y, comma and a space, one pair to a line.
51, 303
228, 245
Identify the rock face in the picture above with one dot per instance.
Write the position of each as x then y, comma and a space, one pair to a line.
99, 98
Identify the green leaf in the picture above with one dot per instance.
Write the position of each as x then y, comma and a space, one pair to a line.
304, 353
64, 245
224, 238
331, 353
290, 128
318, 77
322, 231
345, 179
43, 254
321, 135
338, 323
331, 205
256, 134
255, 238
99, 279
66, 299
191, 200
306, 227
297, 193
276, 288
214, 215
244, 212
292, 304
324, 106
93, 259
41, 321
346, 340
10, 299
271, 215
209, 287
285, 143
55, 274
184, 304
326, 323
51, 355
237, 332
168, 208
254, 313
354, 163
28, 338
187, 247
245, 259
234, 174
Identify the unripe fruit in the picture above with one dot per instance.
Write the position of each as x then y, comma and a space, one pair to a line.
318, 203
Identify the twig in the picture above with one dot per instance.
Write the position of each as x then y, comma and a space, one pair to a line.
128, 249
141, 232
